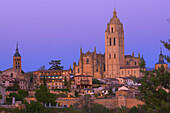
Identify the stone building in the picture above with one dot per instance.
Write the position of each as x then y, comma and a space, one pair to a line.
54, 78
15, 71
113, 63
90, 63
83, 81
161, 62
2, 90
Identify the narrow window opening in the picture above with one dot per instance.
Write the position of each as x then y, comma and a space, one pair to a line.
112, 29
114, 40
114, 55
109, 56
110, 42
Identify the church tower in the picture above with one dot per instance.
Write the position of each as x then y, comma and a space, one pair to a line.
17, 60
114, 47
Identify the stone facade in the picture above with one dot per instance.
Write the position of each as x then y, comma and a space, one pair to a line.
83, 81
90, 63
54, 78
113, 63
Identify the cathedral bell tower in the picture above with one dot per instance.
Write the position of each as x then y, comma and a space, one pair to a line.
17, 60
114, 47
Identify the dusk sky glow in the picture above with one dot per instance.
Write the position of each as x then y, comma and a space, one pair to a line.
56, 29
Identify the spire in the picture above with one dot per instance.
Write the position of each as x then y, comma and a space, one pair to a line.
80, 50
160, 50
17, 47
161, 59
95, 49
114, 13
17, 51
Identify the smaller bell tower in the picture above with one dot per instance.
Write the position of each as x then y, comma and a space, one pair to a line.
17, 60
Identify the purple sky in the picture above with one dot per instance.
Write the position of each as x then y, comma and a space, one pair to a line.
56, 29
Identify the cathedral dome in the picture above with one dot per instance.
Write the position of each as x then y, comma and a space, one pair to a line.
114, 19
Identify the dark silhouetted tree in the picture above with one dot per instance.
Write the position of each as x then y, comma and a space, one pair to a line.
55, 65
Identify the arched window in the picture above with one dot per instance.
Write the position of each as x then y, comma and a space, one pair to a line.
110, 42
78, 70
87, 60
135, 63
127, 63
114, 40
11, 74
109, 56
114, 55
112, 29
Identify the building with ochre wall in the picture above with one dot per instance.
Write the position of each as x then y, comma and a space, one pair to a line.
90, 63
113, 63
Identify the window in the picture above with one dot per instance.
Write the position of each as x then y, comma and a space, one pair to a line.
112, 29
97, 70
16, 67
78, 70
114, 40
11, 74
109, 56
114, 55
110, 42
127, 63
135, 72
135, 63
87, 60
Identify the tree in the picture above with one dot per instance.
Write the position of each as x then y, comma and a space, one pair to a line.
65, 81
111, 91
41, 68
55, 65
86, 104
44, 81
15, 86
76, 93
44, 95
0, 96
122, 109
22, 93
142, 63
167, 46
153, 91
98, 108
35, 107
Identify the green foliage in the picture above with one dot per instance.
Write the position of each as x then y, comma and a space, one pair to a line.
63, 90
123, 109
17, 97
167, 46
1, 96
15, 87
44, 82
55, 65
87, 105
111, 91
98, 108
65, 81
35, 107
95, 81
142, 63
76, 93
44, 95
22, 71
22, 93
134, 109
152, 91
8, 110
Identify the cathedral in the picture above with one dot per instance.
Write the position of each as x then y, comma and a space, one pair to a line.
113, 63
